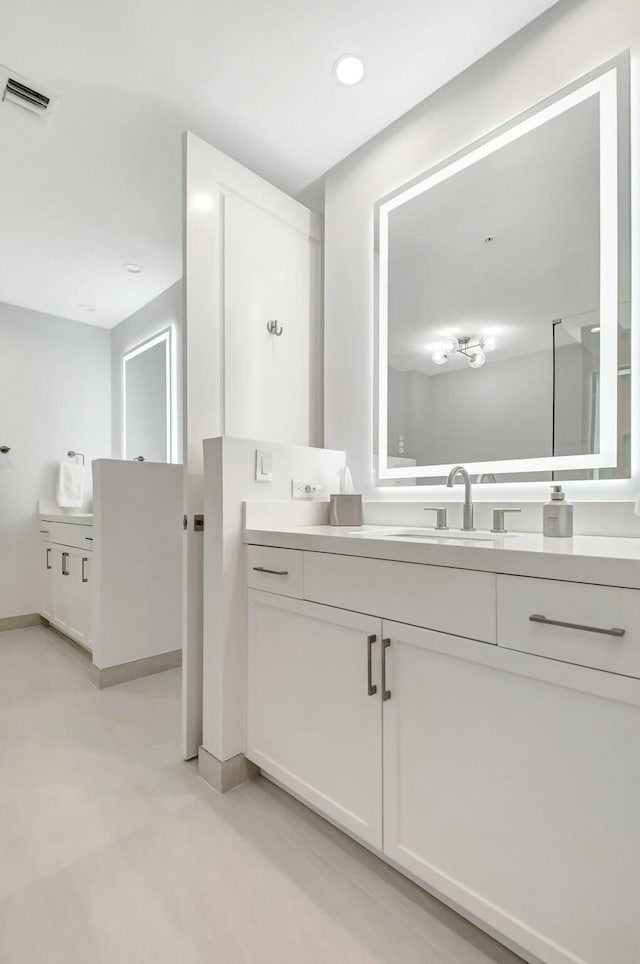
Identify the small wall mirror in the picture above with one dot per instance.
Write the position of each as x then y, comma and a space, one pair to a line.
503, 313
148, 402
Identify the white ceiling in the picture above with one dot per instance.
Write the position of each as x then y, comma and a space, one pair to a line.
98, 184
539, 199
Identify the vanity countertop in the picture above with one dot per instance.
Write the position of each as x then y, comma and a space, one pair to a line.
603, 560
76, 518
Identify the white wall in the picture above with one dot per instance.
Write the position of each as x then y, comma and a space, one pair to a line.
137, 565
167, 309
561, 46
54, 396
229, 480
501, 411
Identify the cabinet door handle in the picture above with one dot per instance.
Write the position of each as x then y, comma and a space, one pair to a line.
84, 572
47, 560
386, 694
372, 689
65, 556
273, 572
614, 631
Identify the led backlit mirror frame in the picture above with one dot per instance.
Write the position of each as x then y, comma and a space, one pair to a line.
166, 336
605, 87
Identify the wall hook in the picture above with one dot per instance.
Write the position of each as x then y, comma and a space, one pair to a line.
273, 328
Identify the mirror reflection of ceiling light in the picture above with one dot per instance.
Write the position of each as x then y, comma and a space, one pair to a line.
477, 358
349, 69
597, 328
474, 353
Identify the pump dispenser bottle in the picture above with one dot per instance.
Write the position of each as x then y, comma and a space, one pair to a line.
557, 515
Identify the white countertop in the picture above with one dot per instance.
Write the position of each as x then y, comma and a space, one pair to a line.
603, 560
76, 518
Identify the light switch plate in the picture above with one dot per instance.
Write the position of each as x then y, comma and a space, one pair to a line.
264, 465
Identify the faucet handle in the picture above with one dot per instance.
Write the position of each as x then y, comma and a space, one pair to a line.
441, 515
498, 519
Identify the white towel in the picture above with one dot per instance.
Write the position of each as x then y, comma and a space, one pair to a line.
70, 485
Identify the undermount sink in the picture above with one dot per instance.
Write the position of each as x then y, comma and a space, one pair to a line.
434, 535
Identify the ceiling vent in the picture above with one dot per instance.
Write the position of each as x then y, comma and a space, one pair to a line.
20, 91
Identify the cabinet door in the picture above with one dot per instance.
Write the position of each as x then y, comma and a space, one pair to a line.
58, 560
70, 597
77, 586
514, 797
46, 580
314, 707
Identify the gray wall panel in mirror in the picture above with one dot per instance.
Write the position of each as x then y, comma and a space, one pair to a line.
148, 402
503, 310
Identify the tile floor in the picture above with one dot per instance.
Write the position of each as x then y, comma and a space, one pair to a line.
113, 851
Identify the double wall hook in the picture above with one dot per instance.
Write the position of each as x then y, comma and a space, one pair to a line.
273, 328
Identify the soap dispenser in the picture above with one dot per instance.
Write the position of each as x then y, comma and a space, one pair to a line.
557, 515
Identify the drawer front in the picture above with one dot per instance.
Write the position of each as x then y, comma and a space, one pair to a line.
68, 534
588, 607
275, 570
455, 601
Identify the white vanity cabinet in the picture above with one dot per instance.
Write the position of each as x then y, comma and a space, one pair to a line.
313, 707
66, 582
506, 781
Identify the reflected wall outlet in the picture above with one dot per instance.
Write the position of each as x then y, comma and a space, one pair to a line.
304, 489
264, 465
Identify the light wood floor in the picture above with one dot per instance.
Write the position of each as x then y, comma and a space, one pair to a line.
113, 851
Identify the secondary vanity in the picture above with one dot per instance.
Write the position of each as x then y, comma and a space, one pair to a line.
111, 579
466, 702
67, 550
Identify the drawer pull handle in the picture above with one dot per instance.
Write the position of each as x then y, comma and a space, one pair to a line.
47, 560
273, 572
45, 532
372, 689
65, 556
88, 538
537, 618
85, 560
386, 694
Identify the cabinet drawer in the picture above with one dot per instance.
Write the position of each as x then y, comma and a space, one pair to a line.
588, 608
275, 570
68, 534
455, 601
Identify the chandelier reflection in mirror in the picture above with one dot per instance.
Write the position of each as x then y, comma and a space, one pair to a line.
475, 352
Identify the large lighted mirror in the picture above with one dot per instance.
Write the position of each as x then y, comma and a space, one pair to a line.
503, 308
148, 401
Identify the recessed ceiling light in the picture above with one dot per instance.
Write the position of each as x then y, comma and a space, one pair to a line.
349, 69
132, 268
87, 307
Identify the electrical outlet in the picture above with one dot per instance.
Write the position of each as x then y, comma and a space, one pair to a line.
304, 489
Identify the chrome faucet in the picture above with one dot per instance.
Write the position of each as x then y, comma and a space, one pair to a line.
467, 511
